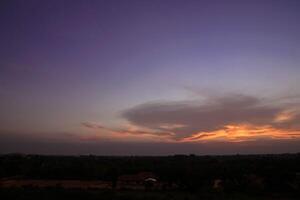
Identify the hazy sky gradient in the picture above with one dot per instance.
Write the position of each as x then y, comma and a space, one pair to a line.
92, 71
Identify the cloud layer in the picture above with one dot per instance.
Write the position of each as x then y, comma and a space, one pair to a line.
191, 119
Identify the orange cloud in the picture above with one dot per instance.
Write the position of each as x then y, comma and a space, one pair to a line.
244, 132
230, 133
284, 116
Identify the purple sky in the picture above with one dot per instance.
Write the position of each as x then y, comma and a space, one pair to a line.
126, 76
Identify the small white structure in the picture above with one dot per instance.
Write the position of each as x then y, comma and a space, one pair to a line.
150, 180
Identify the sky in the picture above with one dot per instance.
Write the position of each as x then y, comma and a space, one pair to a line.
149, 77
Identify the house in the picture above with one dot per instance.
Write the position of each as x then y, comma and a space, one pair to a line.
254, 181
218, 184
137, 181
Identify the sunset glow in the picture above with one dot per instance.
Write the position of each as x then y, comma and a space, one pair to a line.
164, 76
242, 133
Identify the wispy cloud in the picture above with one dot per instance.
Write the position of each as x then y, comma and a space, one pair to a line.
129, 130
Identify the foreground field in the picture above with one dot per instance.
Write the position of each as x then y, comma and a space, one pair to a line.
171, 177
66, 184
60, 193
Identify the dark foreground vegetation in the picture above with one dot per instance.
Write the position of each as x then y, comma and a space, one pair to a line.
171, 177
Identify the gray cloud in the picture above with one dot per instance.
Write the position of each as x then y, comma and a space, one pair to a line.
92, 125
195, 117
127, 131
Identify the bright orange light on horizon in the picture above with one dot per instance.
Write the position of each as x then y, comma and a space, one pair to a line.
229, 133
239, 133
